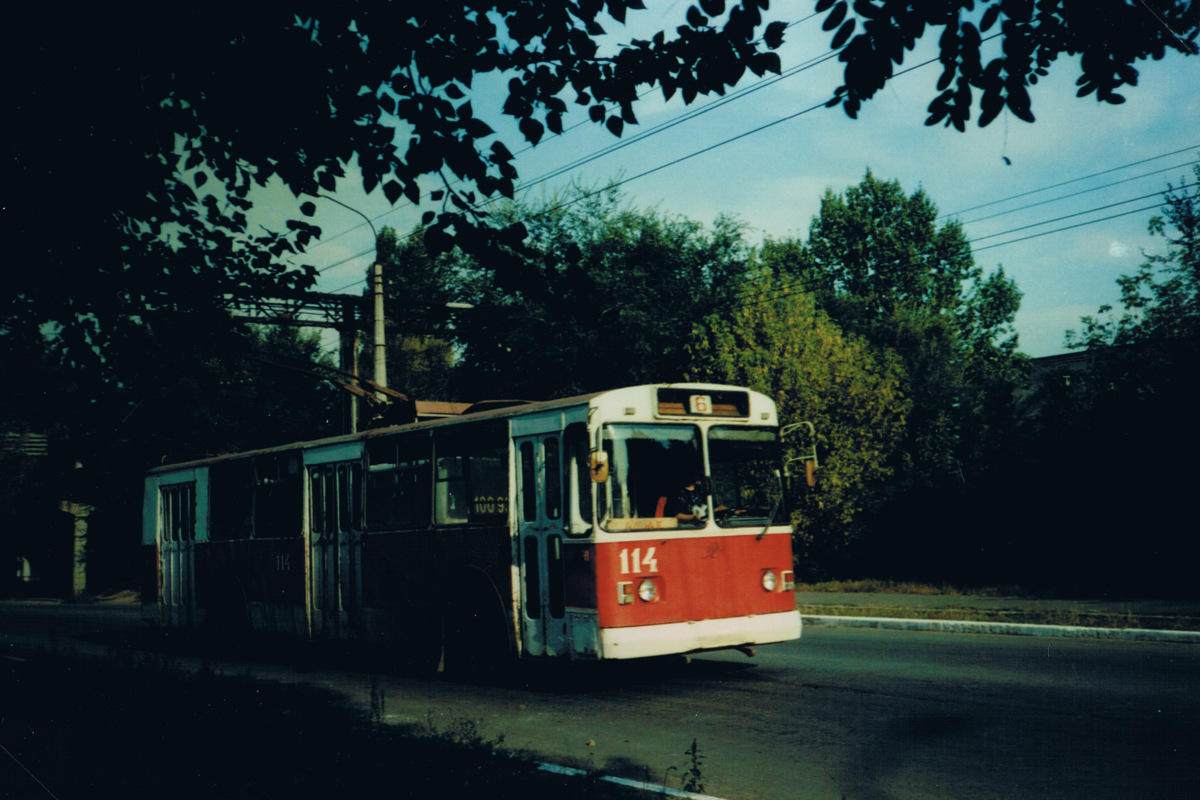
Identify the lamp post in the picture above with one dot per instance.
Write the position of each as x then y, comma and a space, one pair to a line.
380, 343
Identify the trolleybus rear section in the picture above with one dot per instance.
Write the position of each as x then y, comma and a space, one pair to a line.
630, 523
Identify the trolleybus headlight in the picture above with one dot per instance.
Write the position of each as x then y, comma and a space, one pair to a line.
769, 581
647, 591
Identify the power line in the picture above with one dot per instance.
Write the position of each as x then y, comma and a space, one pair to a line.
1081, 213
799, 285
1072, 180
1067, 228
1081, 192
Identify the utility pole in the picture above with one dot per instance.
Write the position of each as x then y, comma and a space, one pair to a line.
380, 340
380, 343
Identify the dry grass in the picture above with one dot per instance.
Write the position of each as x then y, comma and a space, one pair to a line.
871, 586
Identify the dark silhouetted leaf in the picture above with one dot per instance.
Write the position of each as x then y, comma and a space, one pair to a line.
392, 191
989, 18
835, 17
531, 129
773, 35
308, 209
843, 34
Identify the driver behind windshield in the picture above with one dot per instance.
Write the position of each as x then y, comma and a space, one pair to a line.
690, 504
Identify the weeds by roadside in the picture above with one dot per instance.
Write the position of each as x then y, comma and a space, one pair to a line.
136, 725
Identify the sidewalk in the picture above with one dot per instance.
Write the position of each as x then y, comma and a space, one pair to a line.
1152, 620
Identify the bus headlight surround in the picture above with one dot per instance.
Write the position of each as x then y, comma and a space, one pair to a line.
769, 580
647, 591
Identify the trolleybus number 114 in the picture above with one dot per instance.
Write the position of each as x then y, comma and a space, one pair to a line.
639, 562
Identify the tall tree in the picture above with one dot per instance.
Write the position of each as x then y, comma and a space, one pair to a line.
777, 341
417, 287
613, 295
882, 266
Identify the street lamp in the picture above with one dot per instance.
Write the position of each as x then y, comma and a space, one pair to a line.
380, 343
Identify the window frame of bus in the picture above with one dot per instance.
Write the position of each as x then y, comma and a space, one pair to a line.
602, 504
231, 486
466, 458
278, 496
407, 460
717, 433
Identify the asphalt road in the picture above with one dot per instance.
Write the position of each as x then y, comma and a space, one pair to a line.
854, 713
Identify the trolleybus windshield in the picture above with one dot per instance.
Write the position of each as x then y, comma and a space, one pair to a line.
746, 486
658, 480
649, 467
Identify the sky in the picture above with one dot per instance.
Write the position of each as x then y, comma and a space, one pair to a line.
1081, 161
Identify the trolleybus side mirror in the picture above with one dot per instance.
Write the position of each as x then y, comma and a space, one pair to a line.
599, 466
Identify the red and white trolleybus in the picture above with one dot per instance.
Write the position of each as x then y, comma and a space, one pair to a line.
636, 522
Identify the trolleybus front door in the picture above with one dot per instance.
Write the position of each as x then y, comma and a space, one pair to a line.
335, 539
540, 527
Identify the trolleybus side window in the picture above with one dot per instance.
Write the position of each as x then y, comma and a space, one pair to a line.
399, 484
277, 496
471, 475
231, 486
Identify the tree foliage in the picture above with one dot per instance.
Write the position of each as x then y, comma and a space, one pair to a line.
778, 342
880, 264
170, 116
165, 118
420, 346
611, 300
1115, 431
1108, 36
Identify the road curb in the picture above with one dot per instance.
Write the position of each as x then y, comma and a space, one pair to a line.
1003, 628
631, 784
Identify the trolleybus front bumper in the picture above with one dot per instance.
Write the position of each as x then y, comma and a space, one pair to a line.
706, 634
